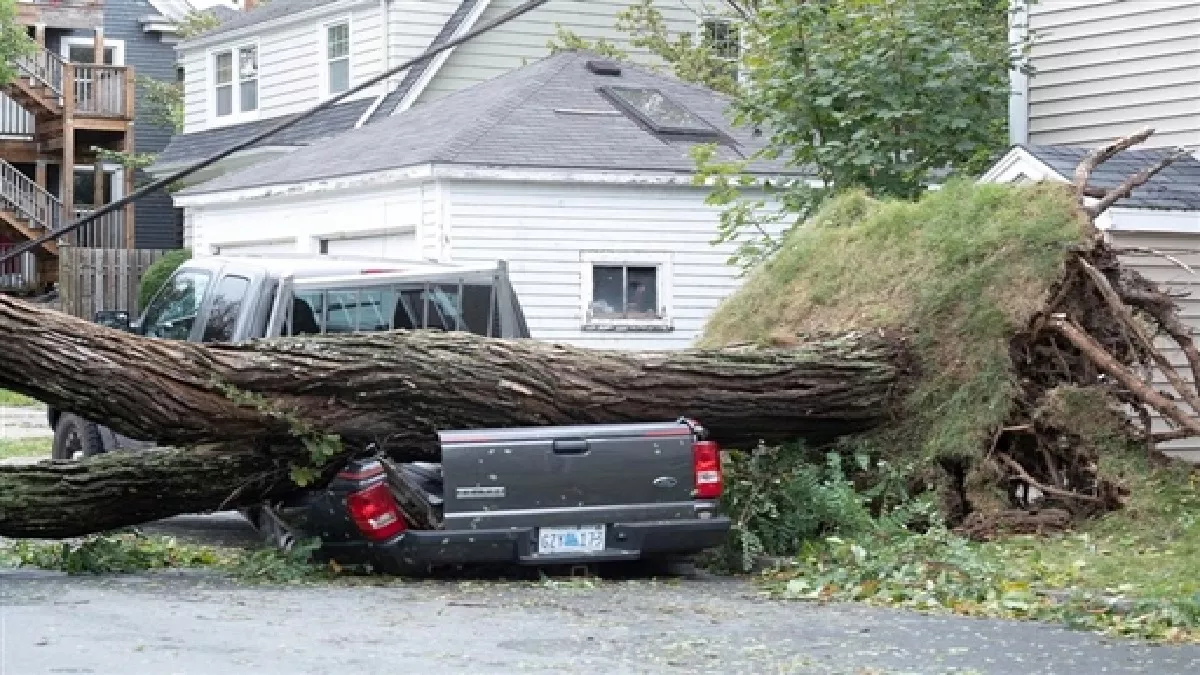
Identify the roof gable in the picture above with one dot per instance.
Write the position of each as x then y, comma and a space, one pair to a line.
549, 114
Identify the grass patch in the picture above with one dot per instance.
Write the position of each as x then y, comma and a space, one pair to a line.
1131, 573
962, 270
25, 447
15, 400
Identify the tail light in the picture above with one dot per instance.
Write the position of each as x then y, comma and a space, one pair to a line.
375, 512
706, 462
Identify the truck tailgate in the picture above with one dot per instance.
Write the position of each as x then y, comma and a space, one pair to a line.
582, 475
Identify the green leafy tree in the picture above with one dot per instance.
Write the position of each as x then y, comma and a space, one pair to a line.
885, 95
688, 57
14, 42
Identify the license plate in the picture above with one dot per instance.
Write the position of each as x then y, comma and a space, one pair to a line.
582, 539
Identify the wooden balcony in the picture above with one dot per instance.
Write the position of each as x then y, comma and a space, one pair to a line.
61, 13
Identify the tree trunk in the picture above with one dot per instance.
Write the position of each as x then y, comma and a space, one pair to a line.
396, 390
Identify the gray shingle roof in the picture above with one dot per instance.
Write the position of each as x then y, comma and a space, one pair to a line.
545, 115
196, 146
265, 12
397, 95
1176, 188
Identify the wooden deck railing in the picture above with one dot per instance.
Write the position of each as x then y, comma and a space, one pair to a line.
44, 67
14, 119
102, 91
20, 194
108, 232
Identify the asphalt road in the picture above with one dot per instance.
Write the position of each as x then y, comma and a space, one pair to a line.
197, 623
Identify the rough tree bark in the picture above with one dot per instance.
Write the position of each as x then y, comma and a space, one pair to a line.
395, 390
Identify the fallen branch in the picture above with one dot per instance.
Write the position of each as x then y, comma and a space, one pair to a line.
1125, 315
1108, 364
1044, 489
1126, 188
1095, 158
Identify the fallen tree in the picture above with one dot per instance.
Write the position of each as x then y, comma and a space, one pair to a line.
247, 416
985, 330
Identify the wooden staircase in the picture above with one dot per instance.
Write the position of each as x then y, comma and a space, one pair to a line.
27, 209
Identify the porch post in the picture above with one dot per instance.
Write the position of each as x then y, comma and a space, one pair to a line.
98, 44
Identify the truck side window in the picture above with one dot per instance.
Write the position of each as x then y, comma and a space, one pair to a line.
307, 310
172, 313
226, 307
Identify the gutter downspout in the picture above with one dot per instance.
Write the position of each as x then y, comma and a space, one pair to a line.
1018, 100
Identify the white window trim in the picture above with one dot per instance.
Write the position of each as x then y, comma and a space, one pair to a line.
323, 56
118, 179
702, 18
663, 260
74, 41
211, 86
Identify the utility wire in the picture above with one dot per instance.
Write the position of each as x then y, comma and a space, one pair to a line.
183, 173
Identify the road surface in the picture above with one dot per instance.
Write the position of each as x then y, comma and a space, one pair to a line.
197, 623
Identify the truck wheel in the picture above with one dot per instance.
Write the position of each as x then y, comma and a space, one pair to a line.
75, 438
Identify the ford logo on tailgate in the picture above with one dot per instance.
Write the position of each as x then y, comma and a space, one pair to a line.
666, 482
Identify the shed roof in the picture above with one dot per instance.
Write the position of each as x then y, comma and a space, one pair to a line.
1177, 187
549, 114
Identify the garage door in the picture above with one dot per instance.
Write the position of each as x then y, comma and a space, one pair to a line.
398, 246
256, 248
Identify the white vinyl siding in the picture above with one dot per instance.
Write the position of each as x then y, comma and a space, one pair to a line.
305, 221
1186, 248
1106, 68
548, 232
413, 24
293, 67
524, 40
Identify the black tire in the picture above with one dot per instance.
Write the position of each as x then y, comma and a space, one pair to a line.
75, 438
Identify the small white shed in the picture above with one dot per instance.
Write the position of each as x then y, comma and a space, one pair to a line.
573, 170
1162, 216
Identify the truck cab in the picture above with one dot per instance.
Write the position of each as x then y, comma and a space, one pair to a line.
534, 496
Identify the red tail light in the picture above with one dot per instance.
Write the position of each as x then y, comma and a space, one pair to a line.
706, 461
375, 512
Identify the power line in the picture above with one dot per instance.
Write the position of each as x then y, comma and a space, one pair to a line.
184, 173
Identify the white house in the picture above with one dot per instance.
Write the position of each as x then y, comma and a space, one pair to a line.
574, 170
284, 57
1103, 69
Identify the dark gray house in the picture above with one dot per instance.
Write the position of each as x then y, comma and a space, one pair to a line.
79, 91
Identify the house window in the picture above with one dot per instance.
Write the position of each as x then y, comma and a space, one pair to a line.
337, 54
236, 81
724, 38
624, 292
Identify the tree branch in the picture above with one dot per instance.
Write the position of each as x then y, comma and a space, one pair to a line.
1105, 361
1095, 158
1044, 489
1126, 316
1131, 183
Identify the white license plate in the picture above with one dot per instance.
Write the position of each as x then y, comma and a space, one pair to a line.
582, 539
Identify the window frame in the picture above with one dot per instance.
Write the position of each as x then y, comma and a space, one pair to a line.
709, 133
325, 61
702, 24
236, 115
664, 292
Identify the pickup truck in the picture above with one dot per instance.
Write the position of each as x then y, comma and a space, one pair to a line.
534, 496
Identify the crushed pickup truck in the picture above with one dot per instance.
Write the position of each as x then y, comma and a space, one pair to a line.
531, 496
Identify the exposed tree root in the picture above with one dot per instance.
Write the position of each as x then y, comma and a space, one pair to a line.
1089, 352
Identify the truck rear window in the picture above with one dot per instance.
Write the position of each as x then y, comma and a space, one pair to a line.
449, 307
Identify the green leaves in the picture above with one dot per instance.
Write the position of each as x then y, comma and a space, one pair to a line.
874, 94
